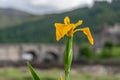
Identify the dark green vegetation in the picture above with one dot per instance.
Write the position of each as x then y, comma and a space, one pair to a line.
18, 74
85, 52
41, 28
109, 53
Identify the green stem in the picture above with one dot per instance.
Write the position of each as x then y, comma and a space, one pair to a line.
68, 57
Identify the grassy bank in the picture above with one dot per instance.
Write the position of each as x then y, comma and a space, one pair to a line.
53, 74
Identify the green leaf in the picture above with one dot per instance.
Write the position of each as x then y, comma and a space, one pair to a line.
35, 76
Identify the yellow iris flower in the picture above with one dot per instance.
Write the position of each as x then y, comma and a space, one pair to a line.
69, 29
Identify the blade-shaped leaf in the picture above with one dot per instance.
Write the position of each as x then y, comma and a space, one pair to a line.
34, 74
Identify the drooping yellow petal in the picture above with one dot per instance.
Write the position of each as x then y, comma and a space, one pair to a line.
61, 78
61, 30
87, 32
78, 23
67, 20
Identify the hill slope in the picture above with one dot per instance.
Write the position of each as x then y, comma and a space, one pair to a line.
11, 17
42, 30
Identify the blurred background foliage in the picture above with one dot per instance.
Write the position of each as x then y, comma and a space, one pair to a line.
22, 74
109, 52
24, 27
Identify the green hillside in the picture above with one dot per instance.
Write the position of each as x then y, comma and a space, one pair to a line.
11, 17
42, 29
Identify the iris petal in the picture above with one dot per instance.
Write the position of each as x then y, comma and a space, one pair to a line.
87, 32
67, 20
61, 30
78, 23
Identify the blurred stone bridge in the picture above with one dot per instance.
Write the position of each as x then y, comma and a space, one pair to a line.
34, 52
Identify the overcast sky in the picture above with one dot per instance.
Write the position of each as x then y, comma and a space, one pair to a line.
46, 6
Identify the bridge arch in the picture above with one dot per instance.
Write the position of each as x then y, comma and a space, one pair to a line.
29, 55
51, 57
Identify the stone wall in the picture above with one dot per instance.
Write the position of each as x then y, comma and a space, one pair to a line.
34, 52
